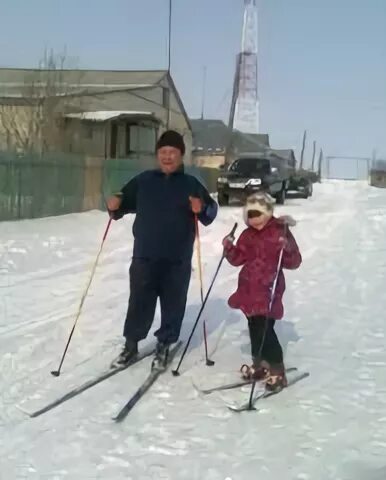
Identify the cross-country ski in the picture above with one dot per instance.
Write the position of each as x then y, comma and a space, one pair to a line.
151, 378
113, 370
230, 386
266, 394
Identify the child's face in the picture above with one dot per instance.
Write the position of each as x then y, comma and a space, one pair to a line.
258, 220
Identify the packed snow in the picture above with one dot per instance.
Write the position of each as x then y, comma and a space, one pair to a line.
331, 425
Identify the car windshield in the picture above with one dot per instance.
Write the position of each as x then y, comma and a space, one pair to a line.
250, 166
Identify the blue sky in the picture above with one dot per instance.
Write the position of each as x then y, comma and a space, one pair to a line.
322, 63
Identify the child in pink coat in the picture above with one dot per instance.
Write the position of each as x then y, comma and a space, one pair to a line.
258, 251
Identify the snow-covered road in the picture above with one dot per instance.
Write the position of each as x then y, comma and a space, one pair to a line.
330, 426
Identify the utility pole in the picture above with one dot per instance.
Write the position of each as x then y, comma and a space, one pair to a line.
169, 60
320, 162
313, 156
203, 93
303, 148
373, 162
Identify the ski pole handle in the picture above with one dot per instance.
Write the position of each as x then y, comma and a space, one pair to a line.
232, 234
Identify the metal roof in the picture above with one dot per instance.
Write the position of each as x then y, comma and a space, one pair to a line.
13, 81
214, 136
104, 115
286, 154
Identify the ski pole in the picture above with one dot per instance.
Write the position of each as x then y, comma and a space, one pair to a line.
56, 373
250, 403
176, 371
208, 362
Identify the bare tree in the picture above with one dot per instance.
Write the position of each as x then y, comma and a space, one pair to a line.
33, 121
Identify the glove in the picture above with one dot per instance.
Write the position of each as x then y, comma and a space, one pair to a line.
228, 241
113, 203
196, 204
283, 242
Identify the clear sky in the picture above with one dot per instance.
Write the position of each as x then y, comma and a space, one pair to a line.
322, 63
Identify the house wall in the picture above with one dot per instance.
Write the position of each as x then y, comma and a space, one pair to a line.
378, 178
85, 138
211, 161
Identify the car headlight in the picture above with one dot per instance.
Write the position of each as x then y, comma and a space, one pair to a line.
253, 182
222, 180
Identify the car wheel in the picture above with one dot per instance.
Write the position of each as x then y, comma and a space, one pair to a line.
223, 200
308, 190
280, 197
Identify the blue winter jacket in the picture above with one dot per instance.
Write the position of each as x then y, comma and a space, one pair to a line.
164, 225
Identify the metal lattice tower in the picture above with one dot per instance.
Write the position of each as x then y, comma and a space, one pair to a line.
244, 115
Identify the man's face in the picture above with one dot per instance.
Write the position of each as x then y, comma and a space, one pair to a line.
169, 159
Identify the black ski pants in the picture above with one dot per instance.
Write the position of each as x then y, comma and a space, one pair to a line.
152, 279
264, 342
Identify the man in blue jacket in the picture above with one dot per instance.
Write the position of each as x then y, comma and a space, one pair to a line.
165, 202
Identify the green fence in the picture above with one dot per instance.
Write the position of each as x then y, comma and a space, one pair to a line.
33, 186
117, 172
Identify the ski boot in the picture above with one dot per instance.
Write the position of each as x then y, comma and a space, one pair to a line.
129, 352
258, 371
161, 356
276, 379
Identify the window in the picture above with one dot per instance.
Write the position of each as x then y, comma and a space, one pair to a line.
88, 131
165, 97
250, 166
140, 139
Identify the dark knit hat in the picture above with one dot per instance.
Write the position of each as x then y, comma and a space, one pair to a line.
171, 138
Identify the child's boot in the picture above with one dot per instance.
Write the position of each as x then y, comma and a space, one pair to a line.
258, 371
276, 379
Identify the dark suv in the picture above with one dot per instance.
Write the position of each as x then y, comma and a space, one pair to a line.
250, 173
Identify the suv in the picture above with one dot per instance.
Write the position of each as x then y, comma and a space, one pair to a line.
250, 173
